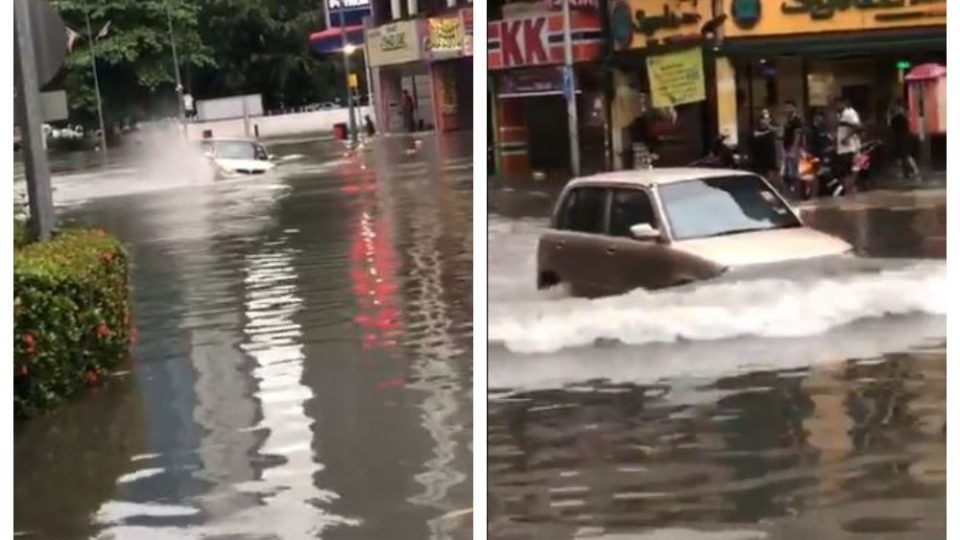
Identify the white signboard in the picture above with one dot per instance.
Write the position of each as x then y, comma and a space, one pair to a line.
395, 43
229, 107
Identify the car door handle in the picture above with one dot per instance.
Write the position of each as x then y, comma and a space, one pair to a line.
611, 250
558, 246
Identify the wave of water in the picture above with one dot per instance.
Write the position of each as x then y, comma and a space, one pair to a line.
524, 320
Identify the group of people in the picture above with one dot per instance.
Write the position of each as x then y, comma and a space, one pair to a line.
793, 142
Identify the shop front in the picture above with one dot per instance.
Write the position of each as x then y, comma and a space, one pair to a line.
394, 53
663, 80
528, 104
815, 52
448, 48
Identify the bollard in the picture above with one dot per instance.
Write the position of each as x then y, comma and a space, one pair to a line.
256, 131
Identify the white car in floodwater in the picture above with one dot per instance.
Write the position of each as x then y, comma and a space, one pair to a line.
237, 157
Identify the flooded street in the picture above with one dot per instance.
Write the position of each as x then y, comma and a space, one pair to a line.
808, 405
304, 365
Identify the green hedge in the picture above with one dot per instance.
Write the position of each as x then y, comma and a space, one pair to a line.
71, 316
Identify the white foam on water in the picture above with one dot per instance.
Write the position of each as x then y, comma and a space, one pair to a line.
527, 321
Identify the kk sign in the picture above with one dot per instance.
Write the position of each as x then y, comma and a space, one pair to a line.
759, 18
538, 40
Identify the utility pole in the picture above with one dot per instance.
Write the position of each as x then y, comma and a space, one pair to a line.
96, 82
176, 68
346, 75
31, 126
570, 91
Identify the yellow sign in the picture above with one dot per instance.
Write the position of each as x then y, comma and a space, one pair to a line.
637, 24
782, 17
352, 81
676, 78
444, 36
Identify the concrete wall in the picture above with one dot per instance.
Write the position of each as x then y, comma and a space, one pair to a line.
279, 125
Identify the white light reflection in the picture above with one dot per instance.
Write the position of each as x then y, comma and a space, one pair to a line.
291, 502
434, 351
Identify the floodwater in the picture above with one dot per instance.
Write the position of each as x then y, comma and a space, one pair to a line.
304, 366
808, 405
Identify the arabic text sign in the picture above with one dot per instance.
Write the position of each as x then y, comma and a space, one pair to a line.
394, 43
444, 37
676, 78
642, 23
810, 16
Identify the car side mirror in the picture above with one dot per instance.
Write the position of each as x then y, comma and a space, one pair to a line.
644, 231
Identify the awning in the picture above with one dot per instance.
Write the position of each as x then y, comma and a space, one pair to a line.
840, 45
330, 41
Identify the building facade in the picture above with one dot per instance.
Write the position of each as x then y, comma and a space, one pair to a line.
528, 112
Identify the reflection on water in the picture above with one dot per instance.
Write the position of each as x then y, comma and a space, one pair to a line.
283, 387
809, 405
809, 452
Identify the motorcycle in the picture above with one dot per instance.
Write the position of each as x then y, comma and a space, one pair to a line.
723, 155
818, 177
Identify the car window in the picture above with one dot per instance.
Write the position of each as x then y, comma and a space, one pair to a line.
261, 153
584, 210
725, 205
630, 207
236, 150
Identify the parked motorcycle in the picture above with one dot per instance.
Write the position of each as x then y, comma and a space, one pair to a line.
723, 155
818, 176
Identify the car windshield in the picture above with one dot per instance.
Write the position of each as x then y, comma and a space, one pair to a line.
721, 206
239, 150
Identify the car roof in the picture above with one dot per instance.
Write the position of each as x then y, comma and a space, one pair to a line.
654, 177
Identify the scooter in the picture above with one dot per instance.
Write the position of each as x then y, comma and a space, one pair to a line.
821, 171
723, 155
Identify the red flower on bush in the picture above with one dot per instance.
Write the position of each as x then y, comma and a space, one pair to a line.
29, 343
100, 232
106, 257
102, 331
23, 371
91, 377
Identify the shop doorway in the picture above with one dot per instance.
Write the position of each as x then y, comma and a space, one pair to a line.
548, 146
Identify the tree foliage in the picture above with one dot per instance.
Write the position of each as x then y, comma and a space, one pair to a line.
225, 47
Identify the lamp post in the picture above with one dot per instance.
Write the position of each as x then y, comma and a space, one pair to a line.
347, 49
176, 67
96, 83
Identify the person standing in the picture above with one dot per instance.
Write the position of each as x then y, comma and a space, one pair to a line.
792, 145
408, 107
848, 144
765, 149
902, 139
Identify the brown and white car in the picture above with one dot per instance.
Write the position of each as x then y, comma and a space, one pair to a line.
656, 228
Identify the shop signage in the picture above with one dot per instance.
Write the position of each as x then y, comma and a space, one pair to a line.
352, 11
532, 82
538, 40
394, 43
642, 23
575, 4
676, 78
444, 38
745, 13
810, 16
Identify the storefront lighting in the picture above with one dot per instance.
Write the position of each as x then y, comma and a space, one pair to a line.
349, 49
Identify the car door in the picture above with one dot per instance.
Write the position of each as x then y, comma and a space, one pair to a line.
571, 249
647, 264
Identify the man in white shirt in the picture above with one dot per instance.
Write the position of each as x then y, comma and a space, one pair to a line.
848, 144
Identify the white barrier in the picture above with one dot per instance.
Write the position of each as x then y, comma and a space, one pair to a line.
279, 125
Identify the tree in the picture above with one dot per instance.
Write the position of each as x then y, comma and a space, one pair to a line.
134, 60
260, 46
